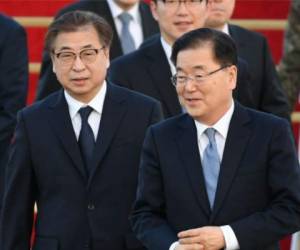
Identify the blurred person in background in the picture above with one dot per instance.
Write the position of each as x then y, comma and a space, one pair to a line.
13, 84
289, 72
253, 48
289, 67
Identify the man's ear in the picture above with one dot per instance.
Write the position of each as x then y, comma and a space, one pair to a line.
53, 68
233, 71
153, 8
53, 64
106, 53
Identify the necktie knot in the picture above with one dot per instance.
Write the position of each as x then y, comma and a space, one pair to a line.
85, 113
210, 133
125, 18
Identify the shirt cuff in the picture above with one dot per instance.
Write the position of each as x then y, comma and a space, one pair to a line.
231, 241
175, 244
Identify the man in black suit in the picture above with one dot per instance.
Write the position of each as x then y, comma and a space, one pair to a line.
76, 153
13, 84
253, 48
149, 69
142, 26
222, 176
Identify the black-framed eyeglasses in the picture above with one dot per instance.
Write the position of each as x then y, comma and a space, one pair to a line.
86, 56
176, 3
181, 80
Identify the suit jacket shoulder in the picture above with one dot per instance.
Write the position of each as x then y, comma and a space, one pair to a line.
147, 71
7, 24
132, 96
267, 92
240, 33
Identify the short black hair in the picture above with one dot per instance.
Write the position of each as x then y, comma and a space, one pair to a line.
74, 21
224, 48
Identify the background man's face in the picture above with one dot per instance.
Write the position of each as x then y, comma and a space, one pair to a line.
176, 19
221, 11
208, 101
82, 80
126, 4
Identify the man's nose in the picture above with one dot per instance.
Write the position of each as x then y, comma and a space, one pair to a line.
78, 64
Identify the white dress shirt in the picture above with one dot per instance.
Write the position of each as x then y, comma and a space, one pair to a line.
221, 127
94, 118
226, 29
168, 51
135, 26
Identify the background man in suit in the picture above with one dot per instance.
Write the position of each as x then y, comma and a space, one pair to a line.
289, 72
76, 153
222, 175
289, 67
149, 69
13, 84
253, 48
141, 26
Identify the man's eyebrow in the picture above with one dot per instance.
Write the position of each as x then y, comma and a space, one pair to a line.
69, 48
201, 67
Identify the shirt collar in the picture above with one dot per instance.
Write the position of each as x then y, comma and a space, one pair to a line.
168, 51
96, 103
116, 10
226, 29
222, 125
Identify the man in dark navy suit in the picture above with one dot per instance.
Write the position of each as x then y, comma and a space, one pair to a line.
76, 153
13, 84
141, 26
222, 176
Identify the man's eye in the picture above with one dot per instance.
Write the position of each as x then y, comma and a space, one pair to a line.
65, 55
181, 78
198, 77
88, 53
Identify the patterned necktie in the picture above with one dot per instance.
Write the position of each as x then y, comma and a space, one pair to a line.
86, 138
211, 165
127, 41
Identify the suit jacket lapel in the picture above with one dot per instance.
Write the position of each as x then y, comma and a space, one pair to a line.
113, 111
159, 69
189, 152
102, 8
59, 119
237, 38
236, 143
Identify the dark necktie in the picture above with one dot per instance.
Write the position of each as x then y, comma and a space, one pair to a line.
126, 37
211, 165
86, 138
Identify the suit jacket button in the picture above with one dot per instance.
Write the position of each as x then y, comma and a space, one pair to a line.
91, 206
